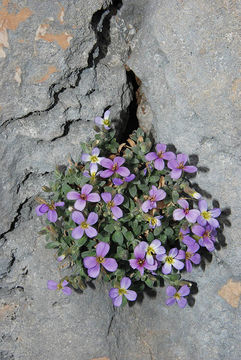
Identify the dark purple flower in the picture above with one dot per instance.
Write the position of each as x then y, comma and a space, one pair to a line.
154, 221
50, 208
116, 294
152, 250
84, 225
185, 238
112, 204
53, 285
83, 197
154, 196
206, 236
61, 258
118, 181
159, 155
190, 256
92, 263
103, 121
190, 215
140, 263
148, 168
93, 158
178, 166
208, 216
172, 259
114, 167
177, 296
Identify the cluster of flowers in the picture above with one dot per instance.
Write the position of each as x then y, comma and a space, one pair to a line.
196, 226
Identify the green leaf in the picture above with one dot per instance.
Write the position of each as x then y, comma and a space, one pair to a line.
133, 190
52, 245
154, 179
109, 228
150, 236
122, 253
163, 238
88, 253
175, 196
117, 237
149, 283
129, 236
81, 242
157, 230
169, 232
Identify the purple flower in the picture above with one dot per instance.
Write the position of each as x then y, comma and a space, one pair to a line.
186, 239
159, 155
206, 234
140, 263
178, 166
154, 196
148, 168
92, 263
172, 259
190, 215
104, 121
208, 216
92, 173
84, 225
118, 181
114, 167
53, 285
154, 221
82, 198
50, 208
112, 204
61, 258
93, 158
190, 256
177, 296
116, 294
152, 250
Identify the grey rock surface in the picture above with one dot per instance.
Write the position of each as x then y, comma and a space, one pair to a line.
62, 65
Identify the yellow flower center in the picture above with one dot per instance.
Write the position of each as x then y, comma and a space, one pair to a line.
122, 291
177, 296
206, 234
181, 165
160, 154
106, 122
188, 255
141, 261
59, 287
84, 225
110, 204
150, 251
206, 215
51, 206
169, 260
153, 221
100, 259
94, 159
114, 167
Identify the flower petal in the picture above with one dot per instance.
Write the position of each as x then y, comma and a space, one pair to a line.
99, 121
92, 218
167, 268
182, 158
133, 263
172, 164
94, 271
161, 148
192, 215
77, 233
107, 114
215, 212
41, 209
169, 155
52, 216
86, 189
59, 203
131, 295
139, 250
184, 291
95, 151
198, 230
188, 265
106, 196
67, 291
183, 203
201, 220
170, 290
182, 302
178, 264
160, 195
176, 174
90, 261
178, 214
117, 212
190, 169
202, 204
52, 285
91, 232
146, 206
123, 171
73, 195
102, 249
170, 301
173, 252
110, 264
80, 204
196, 258
159, 164
85, 157
77, 217
119, 160
213, 222
93, 197
125, 283
64, 283
113, 293
117, 181
106, 163
117, 301
118, 199
106, 173
151, 156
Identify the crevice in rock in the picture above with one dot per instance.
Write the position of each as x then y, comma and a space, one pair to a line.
66, 129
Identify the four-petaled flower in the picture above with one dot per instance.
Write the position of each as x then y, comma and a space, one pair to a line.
93, 158
92, 173
140, 263
53, 285
118, 181
152, 250
104, 121
172, 259
178, 166
92, 263
154, 221
112, 203
177, 296
154, 196
206, 236
159, 155
190, 215
84, 225
190, 256
82, 198
114, 167
208, 216
50, 208
116, 294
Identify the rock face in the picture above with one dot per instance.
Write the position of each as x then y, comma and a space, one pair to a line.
61, 65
